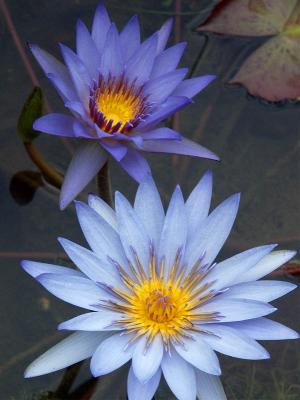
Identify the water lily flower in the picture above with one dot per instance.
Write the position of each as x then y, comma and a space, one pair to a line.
118, 90
157, 298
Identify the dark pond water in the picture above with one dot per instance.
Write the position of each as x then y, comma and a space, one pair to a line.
259, 147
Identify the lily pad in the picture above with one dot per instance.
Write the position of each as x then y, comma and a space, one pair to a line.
273, 70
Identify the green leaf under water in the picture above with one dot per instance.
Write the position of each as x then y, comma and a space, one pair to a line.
32, 109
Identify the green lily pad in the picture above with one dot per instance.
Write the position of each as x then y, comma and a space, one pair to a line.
32, 109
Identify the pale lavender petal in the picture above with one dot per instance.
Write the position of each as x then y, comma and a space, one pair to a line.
236, 309
140, 64
191, 87
234, 343
132, 232
56, 71
226, 272
101, 237
111, 59
210, 237
56, 124
174, 231
74, 348
198, 353
93, 321
75, 290
103, 209
135, 165
79, 74
149, 208
259, 290
161, 133
111, 354
198, 203
209, 387
179, 375
163, 35
35, 269
130, 38
137, 391
168, 60
87, 50
264, 329
267, 265
169, 107
101, 25
157, 90
146, 360
93, 266
86, 162
184, 147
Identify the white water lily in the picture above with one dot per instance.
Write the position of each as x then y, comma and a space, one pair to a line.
157, 298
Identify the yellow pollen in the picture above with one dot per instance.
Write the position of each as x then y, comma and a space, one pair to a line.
167, 307
118, 106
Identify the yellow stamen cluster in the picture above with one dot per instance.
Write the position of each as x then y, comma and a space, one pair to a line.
118, 106
155, 305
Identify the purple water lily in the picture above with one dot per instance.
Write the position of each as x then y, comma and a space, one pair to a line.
118, 90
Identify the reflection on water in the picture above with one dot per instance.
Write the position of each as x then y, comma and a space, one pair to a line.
259, 147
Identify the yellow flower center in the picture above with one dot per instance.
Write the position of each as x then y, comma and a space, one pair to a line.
154, 305
116, 105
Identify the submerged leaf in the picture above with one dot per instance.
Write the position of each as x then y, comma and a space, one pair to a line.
249, 17
273, 70
32, 109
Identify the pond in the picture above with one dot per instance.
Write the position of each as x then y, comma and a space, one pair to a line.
257, 141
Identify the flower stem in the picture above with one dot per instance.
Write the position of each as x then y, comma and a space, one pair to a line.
67, 381
199, 56
104, 184
48, 172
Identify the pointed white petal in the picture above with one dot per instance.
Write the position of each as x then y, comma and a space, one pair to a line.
267, 265
200, 355
198, 203
259, 290
93, 321
74, 348
95, 267
146, 361
132, 232
35, 269
101, 237
227, 272
110, 355
209, 387
174, 232
179, 375
103, 209
209, 239
137, 390
264, 329
75, 290
148, 207
234, 343
236, 309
